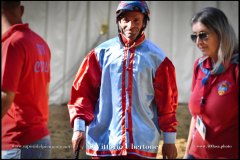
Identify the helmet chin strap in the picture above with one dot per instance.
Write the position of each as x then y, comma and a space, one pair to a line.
140, 33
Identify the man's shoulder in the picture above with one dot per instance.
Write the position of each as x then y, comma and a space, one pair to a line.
148, 44
28, 37
24, 35
112, 41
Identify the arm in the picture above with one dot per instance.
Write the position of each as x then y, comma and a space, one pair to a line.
166, 98
85, 90
237, 75
7, 99
47, 90
13, 59
84, 95
189, 140
79, 137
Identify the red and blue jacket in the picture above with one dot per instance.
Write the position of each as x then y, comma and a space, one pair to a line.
126, 95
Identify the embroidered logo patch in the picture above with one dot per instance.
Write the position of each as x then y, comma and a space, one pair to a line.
223, 87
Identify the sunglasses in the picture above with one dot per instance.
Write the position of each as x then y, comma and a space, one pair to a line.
202, 36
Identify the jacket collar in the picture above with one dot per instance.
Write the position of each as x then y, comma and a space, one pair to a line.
126, 43
206, 62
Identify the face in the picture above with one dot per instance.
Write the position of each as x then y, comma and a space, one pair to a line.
130, 24
206, 40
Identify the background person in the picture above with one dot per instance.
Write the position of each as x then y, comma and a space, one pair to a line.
214, 127
24, 88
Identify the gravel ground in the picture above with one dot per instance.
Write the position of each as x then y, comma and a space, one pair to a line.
61, 132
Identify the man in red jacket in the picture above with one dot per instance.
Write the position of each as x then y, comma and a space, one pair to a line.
25, 79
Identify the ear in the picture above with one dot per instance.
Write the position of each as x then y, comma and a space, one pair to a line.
119, 23
22, 10
144, 25
118, 20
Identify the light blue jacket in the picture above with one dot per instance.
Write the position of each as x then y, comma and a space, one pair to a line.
133, 96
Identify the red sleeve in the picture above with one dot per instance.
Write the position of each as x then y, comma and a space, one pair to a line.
49, 73
85, 90
13, 58
237, 75
166, 96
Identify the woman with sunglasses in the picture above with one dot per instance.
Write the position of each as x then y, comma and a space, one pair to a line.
213, 102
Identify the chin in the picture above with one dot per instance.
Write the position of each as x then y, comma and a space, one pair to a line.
130, 36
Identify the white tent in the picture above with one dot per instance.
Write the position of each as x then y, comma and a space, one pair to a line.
72, 29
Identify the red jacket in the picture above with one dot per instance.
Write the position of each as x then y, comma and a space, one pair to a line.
220, 112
